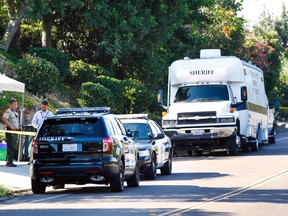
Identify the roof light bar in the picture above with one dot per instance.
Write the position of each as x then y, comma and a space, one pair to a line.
133, 116
83, 110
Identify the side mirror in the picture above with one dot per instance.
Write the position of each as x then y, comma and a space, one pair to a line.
160, 98
243, 93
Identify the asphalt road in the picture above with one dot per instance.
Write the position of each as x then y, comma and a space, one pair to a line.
253, 183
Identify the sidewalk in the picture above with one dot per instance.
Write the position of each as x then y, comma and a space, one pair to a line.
17, 178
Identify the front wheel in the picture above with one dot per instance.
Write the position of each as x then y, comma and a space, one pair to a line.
151, 173
232, 146
117, 183
38, 187
167, 169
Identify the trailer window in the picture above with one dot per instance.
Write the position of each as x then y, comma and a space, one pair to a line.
202, 93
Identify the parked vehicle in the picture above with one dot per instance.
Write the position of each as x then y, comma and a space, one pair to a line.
217, 102
80, 146
154, 147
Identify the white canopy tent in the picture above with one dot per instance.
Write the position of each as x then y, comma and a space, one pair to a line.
8, 84
11, 85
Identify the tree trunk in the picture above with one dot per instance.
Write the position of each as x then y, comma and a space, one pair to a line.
14, 24
46, 30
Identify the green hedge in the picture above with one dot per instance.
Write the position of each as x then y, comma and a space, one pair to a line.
81, 72
40, 76
94, 94
56, 57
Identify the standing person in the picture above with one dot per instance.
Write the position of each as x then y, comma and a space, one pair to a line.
11, 119
41, 114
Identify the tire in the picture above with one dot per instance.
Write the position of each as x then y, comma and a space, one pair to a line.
271, 140
232, 146
167, 169
254, 145
271, 137
134, 180
189, 152
151, 173
60, 186
37, 186
117, 183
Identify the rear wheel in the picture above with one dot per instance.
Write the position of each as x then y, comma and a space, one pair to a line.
167, 169
151, 173
117, 183
254, 145
38, 187
271, 138
134, 180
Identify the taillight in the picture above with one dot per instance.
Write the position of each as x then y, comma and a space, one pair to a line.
107, 144
35, 146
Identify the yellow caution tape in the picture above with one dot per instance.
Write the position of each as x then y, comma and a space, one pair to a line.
27, 133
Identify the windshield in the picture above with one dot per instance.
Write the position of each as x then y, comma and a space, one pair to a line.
202, 93
142, 128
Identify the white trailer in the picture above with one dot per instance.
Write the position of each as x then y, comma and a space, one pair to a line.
217, 102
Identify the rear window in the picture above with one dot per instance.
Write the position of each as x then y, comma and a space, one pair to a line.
72, 127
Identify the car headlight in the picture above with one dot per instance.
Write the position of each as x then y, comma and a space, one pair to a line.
144, 153
226, 120
169, 122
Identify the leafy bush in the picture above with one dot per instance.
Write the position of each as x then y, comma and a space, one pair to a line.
81, 72
94, 94
39, 75
137, 98
30, 35
4, 191
117, 88
56, 57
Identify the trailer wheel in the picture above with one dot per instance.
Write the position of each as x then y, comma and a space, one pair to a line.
232, 146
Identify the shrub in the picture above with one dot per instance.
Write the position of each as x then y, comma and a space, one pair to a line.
81, 72
40, 76
93, 94
117, 88
137, 98
30, 35
56, 57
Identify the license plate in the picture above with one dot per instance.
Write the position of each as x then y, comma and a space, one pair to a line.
69, 147
198, 132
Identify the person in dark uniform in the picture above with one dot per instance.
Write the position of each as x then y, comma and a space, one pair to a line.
11, 119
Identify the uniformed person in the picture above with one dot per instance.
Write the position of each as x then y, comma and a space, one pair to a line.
11, 119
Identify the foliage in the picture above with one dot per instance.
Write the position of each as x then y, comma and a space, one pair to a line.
94, 94
56, 57
30, 35
4, 191
81, 72
39, 75
116, 87
281, 26
137, 98
3, 20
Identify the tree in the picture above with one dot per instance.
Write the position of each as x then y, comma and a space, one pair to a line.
16, 11
281, 26
48, 11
